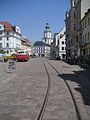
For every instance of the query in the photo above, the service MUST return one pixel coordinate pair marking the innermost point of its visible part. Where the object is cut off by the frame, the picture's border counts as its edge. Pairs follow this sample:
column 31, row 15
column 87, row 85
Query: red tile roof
column 7, row 26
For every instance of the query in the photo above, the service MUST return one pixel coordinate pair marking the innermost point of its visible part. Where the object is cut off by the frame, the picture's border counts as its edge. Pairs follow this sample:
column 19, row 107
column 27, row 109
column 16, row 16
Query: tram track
column 40, row 116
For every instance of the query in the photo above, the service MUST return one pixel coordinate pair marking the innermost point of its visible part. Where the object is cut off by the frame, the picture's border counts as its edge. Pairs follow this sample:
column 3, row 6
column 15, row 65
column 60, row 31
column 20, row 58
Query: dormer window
column 1, row 27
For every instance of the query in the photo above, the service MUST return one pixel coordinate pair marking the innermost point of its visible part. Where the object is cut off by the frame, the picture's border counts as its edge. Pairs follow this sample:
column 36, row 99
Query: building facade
column 11, row 39
column 41, row 49
column 68, row 35
column 58, row 47
column 10, row 36
column 61, row 44
column 53, row 48
column 26, row 45
column 71, row 32
column 74, row 27
column 85, row 22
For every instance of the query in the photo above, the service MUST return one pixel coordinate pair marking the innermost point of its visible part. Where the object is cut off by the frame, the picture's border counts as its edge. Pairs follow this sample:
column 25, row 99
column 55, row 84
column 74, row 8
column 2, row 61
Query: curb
column 79, row 104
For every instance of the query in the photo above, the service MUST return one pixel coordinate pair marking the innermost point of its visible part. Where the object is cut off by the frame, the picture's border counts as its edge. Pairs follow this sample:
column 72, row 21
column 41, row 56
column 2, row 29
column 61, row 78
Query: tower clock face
column 1, row 27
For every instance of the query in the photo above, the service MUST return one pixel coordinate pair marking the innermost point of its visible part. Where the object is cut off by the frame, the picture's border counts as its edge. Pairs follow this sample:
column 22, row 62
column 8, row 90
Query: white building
column 47, row 35
column 41, row 49
column 61, row 44
column 10, row 37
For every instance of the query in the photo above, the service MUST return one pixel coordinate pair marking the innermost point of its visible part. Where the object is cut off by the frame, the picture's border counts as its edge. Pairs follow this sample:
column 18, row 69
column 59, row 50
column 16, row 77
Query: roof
column 86, row 13
column 25, row 42
column 40, row 43
column 7, row 26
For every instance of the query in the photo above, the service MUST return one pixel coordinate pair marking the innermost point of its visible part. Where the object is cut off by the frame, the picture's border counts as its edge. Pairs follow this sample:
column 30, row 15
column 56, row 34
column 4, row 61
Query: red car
column 22, row 56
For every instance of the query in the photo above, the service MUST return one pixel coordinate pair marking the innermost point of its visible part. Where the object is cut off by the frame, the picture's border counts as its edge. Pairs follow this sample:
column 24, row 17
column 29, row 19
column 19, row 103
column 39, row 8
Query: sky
column 31, row 15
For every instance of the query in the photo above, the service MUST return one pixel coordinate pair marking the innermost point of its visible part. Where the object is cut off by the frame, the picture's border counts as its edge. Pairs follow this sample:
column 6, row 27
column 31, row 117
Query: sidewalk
column 87, row 95
column 84, row 83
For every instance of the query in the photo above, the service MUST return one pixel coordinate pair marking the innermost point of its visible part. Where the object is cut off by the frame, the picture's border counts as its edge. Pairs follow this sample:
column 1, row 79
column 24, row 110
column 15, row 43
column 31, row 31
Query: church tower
column 47, row 35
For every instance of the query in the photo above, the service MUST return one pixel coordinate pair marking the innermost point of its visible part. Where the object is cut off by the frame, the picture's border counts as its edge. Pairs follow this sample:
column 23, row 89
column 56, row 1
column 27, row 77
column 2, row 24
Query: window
column 85, row 37
column 85, row 23
column 68, row 43
column 62, row 42
column 7, row 33
column 0, row 33
column 88, row 21
column 74, row 26
column 0, row 38
column 73, row 3
column 0, row 45
column 58, row 42
column 76, row 38
column 61, row 35
column 7, row 38
column 74, row 14
column 7, row 44
column 88, row 36
column 62, row 48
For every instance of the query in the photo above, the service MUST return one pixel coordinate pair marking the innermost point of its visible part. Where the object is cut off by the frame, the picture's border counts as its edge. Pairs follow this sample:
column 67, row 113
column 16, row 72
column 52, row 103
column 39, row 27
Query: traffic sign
column 11, row 66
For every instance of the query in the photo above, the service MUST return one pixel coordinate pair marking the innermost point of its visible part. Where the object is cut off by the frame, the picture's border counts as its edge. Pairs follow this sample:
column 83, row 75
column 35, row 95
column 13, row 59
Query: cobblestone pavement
column 79, row 80
column 22, row 92
column 22, row 96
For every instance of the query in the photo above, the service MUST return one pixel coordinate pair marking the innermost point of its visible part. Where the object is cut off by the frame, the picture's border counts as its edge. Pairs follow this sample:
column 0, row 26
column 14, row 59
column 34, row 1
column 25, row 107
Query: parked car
column 9, row 56
column 22, row 56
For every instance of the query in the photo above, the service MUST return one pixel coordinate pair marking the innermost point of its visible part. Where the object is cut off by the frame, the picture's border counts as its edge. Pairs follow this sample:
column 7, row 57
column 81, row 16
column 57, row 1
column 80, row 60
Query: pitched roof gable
column 7, row 26
column 40, row 43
